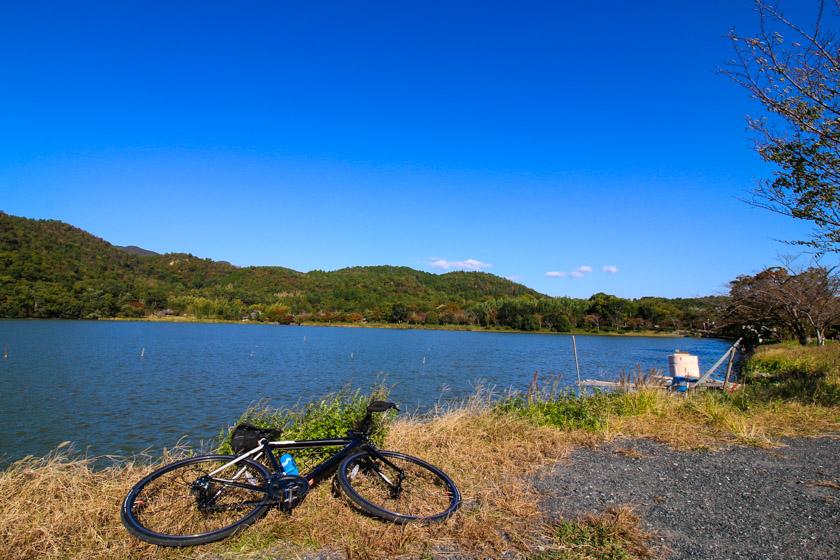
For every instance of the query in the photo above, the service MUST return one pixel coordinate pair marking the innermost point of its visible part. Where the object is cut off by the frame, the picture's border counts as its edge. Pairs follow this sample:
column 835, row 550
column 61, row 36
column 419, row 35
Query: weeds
column 544, row 405
column 565, row 411
column 797, row 397
column 614, row 535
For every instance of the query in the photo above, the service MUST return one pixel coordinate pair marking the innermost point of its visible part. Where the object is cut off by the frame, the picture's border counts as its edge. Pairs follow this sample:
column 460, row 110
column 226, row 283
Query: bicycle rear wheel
column 423, row 494
column 181, row 505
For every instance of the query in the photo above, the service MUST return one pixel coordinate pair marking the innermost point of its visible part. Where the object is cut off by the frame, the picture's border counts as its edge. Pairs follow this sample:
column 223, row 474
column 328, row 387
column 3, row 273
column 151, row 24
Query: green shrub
column 570, row 413
column 329, row 417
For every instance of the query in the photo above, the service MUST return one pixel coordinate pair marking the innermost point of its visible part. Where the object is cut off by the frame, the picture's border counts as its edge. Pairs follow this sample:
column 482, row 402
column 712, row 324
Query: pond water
column 125, row 387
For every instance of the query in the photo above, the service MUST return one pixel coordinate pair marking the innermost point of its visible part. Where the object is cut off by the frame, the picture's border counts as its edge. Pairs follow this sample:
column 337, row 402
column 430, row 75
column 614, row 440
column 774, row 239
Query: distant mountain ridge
column 49, row 269
column 135, row 250
column 52, row 269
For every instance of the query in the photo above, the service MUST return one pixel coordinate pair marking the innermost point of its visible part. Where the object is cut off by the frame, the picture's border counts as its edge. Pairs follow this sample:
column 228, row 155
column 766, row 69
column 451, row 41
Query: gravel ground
column 736, row 503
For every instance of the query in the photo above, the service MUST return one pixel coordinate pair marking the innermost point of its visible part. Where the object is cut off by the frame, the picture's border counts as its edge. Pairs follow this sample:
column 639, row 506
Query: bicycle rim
column 426, row 493
column 167, row 508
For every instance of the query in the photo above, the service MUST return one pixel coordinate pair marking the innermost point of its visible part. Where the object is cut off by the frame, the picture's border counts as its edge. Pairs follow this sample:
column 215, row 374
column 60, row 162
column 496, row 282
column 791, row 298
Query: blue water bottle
column 289, row 465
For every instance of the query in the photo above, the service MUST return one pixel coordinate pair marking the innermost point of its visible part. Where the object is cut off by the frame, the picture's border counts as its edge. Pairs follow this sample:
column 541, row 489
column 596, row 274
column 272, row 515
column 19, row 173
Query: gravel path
column 736, row 503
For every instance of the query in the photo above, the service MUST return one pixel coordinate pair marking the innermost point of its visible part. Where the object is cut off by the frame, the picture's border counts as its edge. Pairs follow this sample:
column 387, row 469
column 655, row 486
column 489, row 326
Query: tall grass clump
column 614, row 535
column 565, row 411
column 545, row 405
column 808, row 374
column 328, row 417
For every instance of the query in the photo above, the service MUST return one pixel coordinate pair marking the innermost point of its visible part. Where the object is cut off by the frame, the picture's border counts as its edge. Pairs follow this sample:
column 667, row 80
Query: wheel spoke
column 410, row 490
column 174, row 504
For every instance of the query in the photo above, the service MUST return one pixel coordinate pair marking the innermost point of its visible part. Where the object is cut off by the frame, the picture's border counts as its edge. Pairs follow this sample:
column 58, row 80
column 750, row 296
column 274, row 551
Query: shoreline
column 399, row 326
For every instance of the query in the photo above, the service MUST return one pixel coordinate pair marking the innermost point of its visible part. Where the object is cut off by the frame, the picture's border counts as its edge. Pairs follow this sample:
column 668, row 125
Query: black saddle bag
column 246, row 437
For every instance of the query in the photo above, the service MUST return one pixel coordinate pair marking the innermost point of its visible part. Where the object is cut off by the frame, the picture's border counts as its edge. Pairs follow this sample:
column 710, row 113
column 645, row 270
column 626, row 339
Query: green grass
column 789, row 371
column 589, row 540
column 615, row 535
column 331, row 416
column 789, row 390
column 567, row 411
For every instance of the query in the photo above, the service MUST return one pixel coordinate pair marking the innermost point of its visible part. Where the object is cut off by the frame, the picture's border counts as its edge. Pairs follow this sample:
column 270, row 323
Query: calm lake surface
column 125, row 387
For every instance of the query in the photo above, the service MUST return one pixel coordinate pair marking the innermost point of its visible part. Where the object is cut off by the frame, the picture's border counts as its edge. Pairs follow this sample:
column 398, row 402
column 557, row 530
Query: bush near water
column 331, row 416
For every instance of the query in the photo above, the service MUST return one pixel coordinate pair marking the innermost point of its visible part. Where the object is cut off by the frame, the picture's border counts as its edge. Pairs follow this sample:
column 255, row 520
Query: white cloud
column 579, row 272
column 610, row 269
column 514, row 278
column 466, row 264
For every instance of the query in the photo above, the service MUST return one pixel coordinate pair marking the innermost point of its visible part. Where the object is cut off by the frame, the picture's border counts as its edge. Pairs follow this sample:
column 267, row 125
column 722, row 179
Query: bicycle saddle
column 381, row 406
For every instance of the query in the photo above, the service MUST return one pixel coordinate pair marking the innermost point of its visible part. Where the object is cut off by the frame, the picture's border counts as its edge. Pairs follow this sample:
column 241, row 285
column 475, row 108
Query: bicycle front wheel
column 413, row 491
column 181, row 504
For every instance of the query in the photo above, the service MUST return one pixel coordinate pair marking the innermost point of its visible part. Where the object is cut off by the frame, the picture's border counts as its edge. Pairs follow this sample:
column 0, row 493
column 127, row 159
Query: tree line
column 601, row 312
column 49, row 269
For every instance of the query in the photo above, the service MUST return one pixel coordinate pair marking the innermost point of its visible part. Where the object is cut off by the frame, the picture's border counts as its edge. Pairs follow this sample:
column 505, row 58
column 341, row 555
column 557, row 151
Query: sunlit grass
column 60, row 506
column 614, row 535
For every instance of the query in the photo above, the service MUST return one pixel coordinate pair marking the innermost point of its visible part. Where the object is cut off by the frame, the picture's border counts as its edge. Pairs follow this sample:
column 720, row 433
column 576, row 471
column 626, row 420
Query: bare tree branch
column 797, row 84
column 788, row 301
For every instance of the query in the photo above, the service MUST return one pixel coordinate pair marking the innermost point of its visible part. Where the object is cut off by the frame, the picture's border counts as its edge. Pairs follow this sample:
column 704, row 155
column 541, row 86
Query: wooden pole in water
column 577, row 364
column 729, row 367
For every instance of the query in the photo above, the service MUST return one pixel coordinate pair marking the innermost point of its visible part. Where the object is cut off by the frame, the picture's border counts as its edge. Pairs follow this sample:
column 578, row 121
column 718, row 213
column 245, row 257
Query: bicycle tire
column 135, row 505
column 358, row 480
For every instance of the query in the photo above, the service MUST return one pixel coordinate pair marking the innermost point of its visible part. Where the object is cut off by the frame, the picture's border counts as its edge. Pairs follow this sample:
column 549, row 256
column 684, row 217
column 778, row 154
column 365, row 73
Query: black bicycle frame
column 324, row 469
column 355, row 441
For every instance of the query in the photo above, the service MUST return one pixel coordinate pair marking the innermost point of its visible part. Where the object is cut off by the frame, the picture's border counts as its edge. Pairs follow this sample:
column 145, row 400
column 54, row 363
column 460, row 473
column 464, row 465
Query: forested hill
column 52, row 269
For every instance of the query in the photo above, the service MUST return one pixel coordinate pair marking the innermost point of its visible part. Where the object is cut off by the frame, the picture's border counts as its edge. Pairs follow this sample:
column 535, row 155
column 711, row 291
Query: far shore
column 403, row 326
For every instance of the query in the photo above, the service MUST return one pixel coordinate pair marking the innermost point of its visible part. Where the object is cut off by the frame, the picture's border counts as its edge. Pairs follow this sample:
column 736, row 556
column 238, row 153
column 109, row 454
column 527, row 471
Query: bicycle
column 208, row 498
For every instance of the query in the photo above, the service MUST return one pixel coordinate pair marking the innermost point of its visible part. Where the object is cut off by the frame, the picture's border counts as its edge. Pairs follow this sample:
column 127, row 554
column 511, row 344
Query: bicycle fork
column 394, row 488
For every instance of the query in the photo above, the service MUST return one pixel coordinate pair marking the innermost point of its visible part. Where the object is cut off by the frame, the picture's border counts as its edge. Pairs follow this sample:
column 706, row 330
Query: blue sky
column 593, row 140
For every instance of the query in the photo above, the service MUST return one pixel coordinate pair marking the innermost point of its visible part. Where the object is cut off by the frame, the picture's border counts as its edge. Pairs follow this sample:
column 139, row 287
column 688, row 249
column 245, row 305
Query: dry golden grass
column 824, row 484
column 706, row 421
column 60, row 508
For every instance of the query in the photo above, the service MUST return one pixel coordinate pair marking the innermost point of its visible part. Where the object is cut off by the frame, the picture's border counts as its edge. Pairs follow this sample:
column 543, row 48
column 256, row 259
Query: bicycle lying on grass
column 207, row 498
